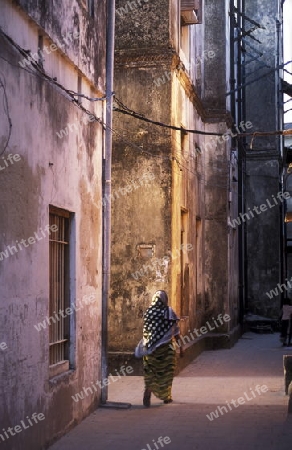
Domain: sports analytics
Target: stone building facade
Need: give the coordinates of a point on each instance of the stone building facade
(50, 216)
(174, 190)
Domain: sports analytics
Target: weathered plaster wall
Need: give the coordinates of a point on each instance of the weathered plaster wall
(141, 175)
(79, 36)
(263, 258)
(142, 215)
(215, 74)
(156, 82)
(65, 172)
(220, 276)
(263, 234)
(220, 242)
(260, 100)
(189, 174)
(142, 25)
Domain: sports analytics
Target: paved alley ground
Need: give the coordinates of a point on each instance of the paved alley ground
(255, 420)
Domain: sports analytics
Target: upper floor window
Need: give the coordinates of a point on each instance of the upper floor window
(89, 6)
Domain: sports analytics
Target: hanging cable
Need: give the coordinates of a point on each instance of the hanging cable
(73, 96)
(40, 71)
(130, 112)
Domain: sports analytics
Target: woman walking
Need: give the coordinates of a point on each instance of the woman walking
(158, 348)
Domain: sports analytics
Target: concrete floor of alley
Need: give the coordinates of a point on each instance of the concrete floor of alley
(214, 379)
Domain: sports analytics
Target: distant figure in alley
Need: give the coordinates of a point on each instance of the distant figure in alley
(159, 356)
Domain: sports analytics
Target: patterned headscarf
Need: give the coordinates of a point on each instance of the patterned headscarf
(158, 319)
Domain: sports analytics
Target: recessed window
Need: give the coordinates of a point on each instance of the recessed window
(79, 88)
(41, 50)
(59, 300)
(89, 6)
(184, 260)
(184, 141)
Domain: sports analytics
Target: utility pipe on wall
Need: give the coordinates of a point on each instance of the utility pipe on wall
(107, 162)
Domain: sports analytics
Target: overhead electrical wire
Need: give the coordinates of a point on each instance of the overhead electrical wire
(38, 70)
(52, 80)
(123, 109)
(167, 158)
(130, 112)
(176, 152)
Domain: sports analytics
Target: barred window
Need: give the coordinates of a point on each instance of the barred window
(184, 261)
(59, 263)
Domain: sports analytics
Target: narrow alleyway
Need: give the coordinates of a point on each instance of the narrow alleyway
(214, 379)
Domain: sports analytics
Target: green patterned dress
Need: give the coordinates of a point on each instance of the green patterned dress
(159, 370)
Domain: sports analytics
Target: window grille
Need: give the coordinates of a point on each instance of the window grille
(59, 330)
